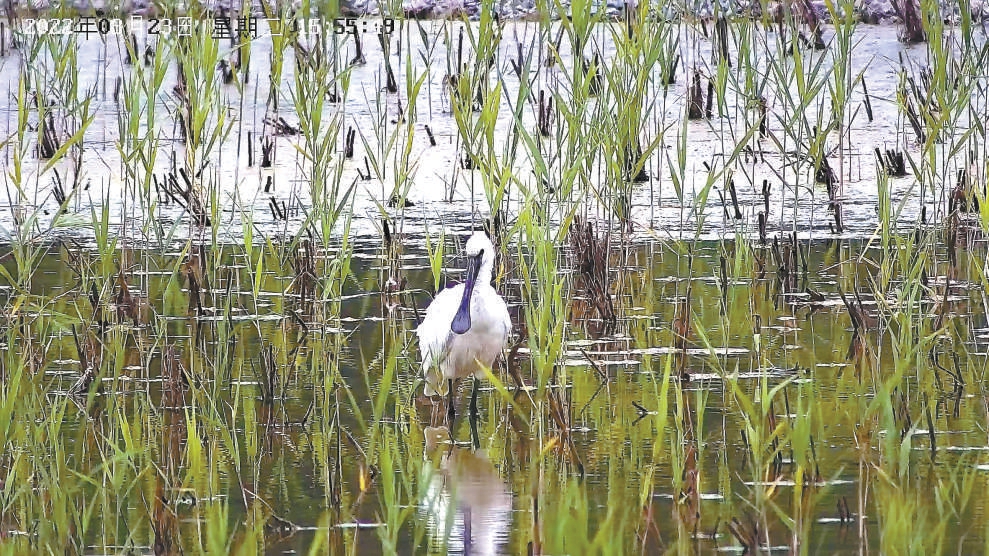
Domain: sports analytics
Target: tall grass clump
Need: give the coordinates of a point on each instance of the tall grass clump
(202, 122)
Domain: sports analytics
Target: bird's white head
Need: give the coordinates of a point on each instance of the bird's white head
(480, 265)
(480, 244)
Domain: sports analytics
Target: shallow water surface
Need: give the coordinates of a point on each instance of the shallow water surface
(210, 293)
(348, 452)
(687, 176)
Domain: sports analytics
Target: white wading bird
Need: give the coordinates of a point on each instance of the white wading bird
(466, 327)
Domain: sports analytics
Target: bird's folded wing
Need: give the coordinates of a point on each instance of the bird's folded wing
(434, 341)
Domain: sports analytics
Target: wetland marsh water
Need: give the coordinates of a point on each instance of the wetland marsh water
(675, 382)
(683, 195)
(517, 488)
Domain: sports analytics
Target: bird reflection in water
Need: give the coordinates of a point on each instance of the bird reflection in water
(467, 506)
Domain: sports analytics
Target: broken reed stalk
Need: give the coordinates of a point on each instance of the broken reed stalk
(545, 117)
(127, 305)
(670, 75)
(787, 257)
(266, 372)
(348, 146)
(195, 275)
(58, 191)
(174, 381)
(518, 63)
(695, 97)
(278, 210)
(906, 96)
(48, 142)
(723, 282)
(226, 72)
(90, 353)
(963, 197)
(721, 32)
(185, 194)
(280, 127)
(866, 100)
(763, 108)
(365, 173)
(267, 151)
(682, 330)
(630, 160)
(250, 149)
(892, 162)
(391, 85)
(460, 52)
(766, 190)
(589, 256)
(734, 199)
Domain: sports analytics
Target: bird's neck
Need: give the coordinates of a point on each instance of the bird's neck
(484, 274)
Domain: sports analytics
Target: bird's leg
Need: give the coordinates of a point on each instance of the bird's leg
(473, 400)
(450, 410)
(474, 437)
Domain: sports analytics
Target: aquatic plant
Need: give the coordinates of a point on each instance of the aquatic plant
(744, 255)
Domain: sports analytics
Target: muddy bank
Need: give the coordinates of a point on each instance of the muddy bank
(868, 11)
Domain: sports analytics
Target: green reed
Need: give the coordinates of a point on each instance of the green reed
(330, 197)
(119, 468)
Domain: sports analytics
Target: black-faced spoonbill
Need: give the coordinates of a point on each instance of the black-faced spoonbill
(466, 327)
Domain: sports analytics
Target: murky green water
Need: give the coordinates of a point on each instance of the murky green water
(184, 371)
(350, 455)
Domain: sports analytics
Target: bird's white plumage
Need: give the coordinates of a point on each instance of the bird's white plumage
(447, 355)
